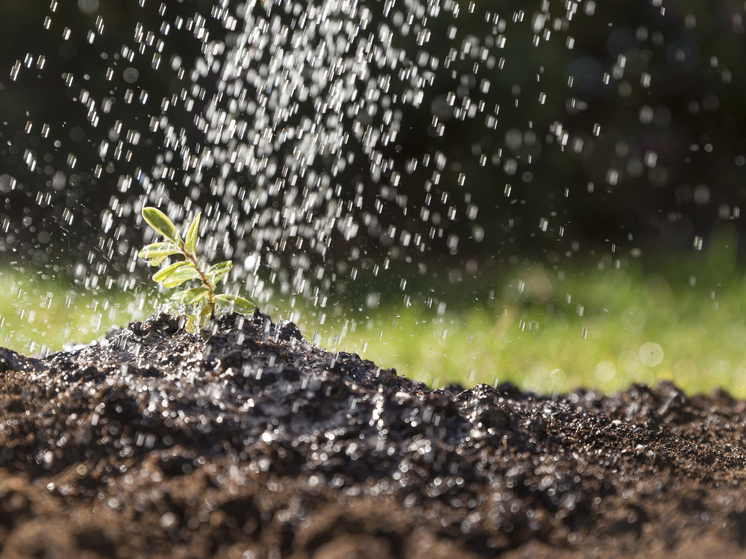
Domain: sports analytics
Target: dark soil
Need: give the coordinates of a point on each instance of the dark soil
(252, 443)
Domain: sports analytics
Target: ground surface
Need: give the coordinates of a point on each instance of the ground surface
(253, 443)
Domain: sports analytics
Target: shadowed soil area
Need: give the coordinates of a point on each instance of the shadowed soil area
(249, 442)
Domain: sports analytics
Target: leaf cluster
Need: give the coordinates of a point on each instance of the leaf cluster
(201, 300)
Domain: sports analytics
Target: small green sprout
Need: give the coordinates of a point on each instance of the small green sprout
(202, 299)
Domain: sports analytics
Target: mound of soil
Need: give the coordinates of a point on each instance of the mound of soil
(250, 442)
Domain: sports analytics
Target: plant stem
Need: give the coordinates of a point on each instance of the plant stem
(203, 278)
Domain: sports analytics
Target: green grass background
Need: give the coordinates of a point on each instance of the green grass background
(546, 330)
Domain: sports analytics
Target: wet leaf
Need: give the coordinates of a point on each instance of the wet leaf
(191, 234)
(179, 295)
(240, 305)
(185, 273)
(205, 314)
(220, 267)
(157, 252)
(191, 296)
(169, 271)
(217, 271)
(160, 222)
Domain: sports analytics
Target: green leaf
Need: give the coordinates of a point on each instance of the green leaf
(217, 271)
(205, 314)
(157, 252)
(185, 273)
(179, 295)
(240, 305)
(220, 267)
(160, 222)
(157, 249)
(191, 234)
(191, 296)
(168, 271)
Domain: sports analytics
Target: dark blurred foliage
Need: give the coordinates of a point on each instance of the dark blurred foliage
(53, 212)
(620, 129)
(667, 164)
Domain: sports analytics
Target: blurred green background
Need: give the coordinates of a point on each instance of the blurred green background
(600, 327)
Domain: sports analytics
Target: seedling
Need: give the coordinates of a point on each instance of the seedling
(202, 300)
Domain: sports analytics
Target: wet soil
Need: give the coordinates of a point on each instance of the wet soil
(249, 442)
